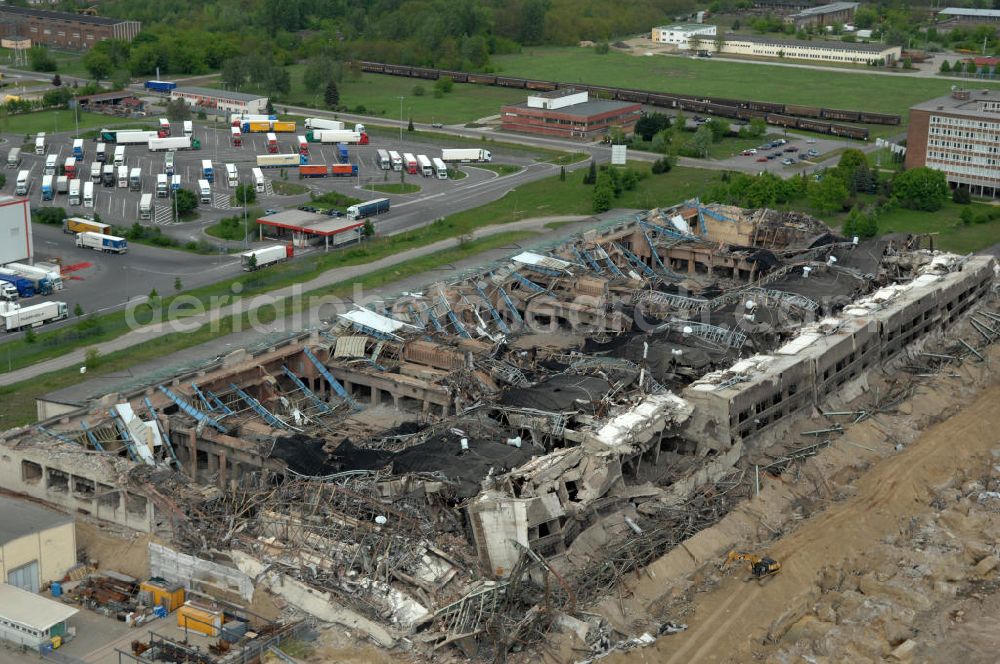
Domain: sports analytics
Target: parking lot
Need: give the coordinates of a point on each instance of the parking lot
(120, 205)
(102, 282)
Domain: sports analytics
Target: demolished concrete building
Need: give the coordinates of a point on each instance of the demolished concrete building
(540, 408)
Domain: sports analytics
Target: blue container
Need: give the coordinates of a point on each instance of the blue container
(56, 589)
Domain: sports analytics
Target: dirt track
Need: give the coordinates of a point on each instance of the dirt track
(732, 621)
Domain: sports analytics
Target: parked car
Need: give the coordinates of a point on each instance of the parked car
(791, 149)
(813, 153)
(747, 153)
(810, 141)
(762, 158)
(787, 162)
(780, 141)
(437, 125)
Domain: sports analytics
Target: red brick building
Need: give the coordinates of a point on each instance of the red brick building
(569, 114)
(959, 135)
(63, 29)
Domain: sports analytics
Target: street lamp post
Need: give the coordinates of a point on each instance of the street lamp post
(401, 98)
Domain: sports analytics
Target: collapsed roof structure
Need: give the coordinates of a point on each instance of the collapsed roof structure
(423, 468)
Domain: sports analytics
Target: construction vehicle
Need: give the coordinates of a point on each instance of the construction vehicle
(760, 567)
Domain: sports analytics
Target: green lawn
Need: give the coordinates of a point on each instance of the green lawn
(380, 95)
(951, 233)
(285, 188)
(871, 92)
(394, 188)
(67, 62)
(500, 169)
(56, 121)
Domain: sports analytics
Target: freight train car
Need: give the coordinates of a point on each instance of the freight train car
(510, 82)
(398, 70)
(850, 132)
(803, 111)
(372, 67)
(814, 125)
(782, 120)
(421, 72)
(666, 101)
(544, 86)
(635, 96)
(722, 110)
(766, 106)
(457, 76)
(879, 118)
(840, 114)
(483, 79)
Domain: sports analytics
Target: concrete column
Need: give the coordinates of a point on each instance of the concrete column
(375, 396)
(395, 401)
(192, 454)
(222, 470)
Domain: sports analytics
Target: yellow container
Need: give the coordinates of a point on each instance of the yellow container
(168, 595)
(283, 126)
(260, 126)
(200, 618)
(56, 642)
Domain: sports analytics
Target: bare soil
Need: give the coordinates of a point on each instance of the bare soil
(895, 555)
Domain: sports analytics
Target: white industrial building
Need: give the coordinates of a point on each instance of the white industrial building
(16, 243)
(30, 620)
(797, 49)
(220, 101)
(681, 34)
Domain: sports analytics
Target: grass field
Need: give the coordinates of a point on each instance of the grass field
(394, 188)
(725, 78)
(950, 233)
(380, 96)
(500, 169)
(56, 121)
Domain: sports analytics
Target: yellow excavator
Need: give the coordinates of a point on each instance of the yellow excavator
(760, 566)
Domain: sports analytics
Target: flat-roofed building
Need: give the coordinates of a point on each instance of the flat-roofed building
(798, 49)
(221, 101)
(831, 14)
(682, 35)
(63, 29)
(37, 544)
(960, 135)
(29, 620)
(968, 15)
(569, 113)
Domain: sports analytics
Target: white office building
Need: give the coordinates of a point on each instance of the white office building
(681, 34)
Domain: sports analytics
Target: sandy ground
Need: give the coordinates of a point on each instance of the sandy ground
(897, 550)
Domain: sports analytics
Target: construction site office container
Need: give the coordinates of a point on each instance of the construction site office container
(163, 593)
(200, 618)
